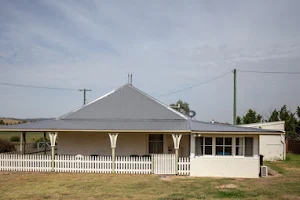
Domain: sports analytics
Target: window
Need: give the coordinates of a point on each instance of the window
(207, 145)
(156, 143)
(239, 146)
(203, 146)
(248, 146)
(223, 146)
(199, 146)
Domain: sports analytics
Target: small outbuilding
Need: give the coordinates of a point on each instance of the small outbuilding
(272, 147)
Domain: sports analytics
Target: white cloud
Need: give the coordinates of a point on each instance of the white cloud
(166, 45)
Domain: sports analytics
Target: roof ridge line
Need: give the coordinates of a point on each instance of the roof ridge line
(159, 102)
(95, 100)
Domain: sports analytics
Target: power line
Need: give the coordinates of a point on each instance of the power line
(38, 87)
(196, 85)
(270, 72)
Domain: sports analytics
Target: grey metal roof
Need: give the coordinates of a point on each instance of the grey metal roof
(76, 124)
(127, 102)
(198, 126)
(127, 109)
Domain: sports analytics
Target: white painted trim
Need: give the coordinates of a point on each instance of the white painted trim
(113, 139)
(176, 140)
(262, 123)
(226, 156)
(52, 137)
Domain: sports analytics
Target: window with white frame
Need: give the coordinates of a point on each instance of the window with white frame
(239, 146)
(203, 146)
(223, 146)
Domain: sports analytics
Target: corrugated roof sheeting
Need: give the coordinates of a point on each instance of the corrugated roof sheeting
(125, 103)
(103, 125)
(215, 127)
(123, 124)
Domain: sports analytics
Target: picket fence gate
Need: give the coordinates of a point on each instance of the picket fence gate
(164, 163)
(157, 164)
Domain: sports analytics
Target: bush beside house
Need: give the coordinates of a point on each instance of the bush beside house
(6, 146)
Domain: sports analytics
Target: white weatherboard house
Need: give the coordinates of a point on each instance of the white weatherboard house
(127, 122)
(272, 147)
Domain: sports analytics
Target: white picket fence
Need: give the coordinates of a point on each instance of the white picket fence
(184, 166)
(16, 162)
(133, 165)
(161, 164)
(83, 164)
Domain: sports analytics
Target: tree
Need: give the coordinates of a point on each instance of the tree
(298, 112)
(252, 117)
(2, 122)
(239, 120)
(274, 116)
(292, 125)
(292, 120)
(184, 107)
(284, 113)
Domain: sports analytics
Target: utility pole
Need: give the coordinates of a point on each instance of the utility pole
(84, 94)
(234, 97)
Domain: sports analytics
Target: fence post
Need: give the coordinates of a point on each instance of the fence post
(152, 164)
(113, 159)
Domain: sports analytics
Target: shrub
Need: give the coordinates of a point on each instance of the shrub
(39, 140)
(15, 138)
(6, 146)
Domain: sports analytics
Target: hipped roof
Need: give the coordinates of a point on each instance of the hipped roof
(128, 109)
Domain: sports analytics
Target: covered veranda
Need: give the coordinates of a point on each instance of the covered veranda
(162, 147)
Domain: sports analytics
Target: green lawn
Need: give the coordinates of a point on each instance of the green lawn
(21, 185)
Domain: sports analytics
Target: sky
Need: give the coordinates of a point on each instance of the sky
(166, 45)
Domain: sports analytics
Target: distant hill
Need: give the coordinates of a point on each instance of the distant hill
(11, 121)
